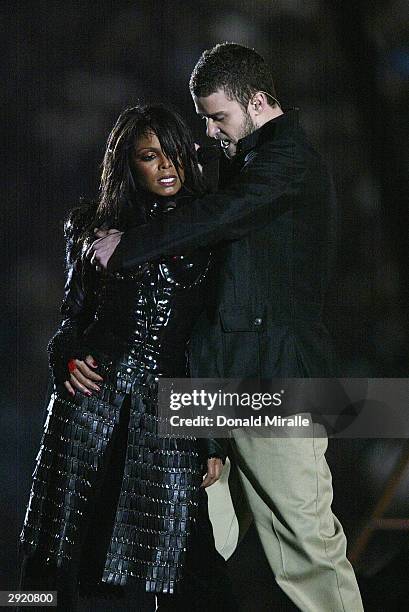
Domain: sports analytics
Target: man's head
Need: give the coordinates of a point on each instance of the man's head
(233, 89)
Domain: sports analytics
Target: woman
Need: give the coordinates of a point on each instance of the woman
(111, 500)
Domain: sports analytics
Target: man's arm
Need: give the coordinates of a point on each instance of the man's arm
(264, 189)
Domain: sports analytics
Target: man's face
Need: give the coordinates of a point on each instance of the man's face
(226, 120)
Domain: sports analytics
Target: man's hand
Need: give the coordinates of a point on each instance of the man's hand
(101, 250)
(83, 378)
(214, 470)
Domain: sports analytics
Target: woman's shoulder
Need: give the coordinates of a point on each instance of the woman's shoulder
(76, 224)
(79, 218)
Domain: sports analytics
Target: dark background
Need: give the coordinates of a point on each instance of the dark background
(68, 70)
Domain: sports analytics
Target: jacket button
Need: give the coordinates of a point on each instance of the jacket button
(258, 321)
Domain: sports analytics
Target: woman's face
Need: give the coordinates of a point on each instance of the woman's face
(154, 171)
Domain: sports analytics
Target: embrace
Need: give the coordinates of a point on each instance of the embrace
(209, 263)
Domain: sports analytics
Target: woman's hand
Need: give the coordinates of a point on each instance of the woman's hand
(214, 470)
(82, 377)
(102, 249)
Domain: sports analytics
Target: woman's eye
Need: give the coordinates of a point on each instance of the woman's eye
(148, 157)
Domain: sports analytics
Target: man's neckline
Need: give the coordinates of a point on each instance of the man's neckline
(268, 130)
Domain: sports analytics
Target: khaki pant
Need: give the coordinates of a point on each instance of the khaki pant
(284, 484)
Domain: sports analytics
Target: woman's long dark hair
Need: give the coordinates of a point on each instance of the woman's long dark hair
(121, 200)
(119, 188)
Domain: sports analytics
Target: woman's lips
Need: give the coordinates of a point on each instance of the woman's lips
(168, 181)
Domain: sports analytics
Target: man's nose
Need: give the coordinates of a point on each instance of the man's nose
(211, 129)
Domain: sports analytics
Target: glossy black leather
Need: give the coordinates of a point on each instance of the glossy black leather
(136, 324)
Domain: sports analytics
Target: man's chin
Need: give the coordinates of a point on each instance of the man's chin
(229, 150)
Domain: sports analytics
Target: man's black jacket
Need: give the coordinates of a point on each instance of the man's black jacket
(274, 227)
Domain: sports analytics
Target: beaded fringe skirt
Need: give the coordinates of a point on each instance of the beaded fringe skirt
(158, 500)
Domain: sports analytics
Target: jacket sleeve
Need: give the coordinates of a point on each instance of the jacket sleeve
(266, 187)
(77, 311)
(215, 447)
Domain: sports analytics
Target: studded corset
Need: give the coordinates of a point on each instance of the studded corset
(144, 317)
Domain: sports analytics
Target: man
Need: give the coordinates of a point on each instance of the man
(272, 221)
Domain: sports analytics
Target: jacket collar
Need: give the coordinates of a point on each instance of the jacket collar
(269, 131)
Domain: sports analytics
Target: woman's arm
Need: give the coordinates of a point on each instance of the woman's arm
(69, 357)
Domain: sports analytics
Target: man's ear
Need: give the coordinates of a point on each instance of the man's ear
(258, 102)
(256, 106)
